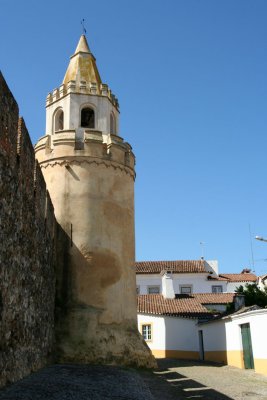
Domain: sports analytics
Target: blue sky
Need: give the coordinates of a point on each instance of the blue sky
(192, 85)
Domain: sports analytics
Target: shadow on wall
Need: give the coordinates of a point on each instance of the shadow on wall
(168, 385)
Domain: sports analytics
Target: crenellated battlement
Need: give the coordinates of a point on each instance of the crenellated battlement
(82, 87)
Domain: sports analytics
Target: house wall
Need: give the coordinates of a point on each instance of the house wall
(232, 286)
(144, 281)
(223, 342)
(172, 337)
(199, 282)
(214, 341)
(261, 283)
(212, 265)
(217, 307)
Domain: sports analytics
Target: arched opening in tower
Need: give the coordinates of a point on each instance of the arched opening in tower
(87, 118)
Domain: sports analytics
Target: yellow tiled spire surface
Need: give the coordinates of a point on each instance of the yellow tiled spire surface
(82, 66)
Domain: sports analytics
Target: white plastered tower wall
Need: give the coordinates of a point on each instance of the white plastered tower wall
(72, 102)
(89, 172)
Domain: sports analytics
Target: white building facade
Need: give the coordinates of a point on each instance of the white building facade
(170, 336)
(189, 276)
(238, 340)
(168, 322)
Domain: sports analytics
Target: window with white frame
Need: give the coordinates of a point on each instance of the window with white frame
(147, 331)
(186, 289)
(217, 288)
(153, 289)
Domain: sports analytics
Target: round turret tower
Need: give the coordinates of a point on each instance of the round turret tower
(89, 172)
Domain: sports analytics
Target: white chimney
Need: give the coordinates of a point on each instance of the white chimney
(167, 286)
(211, 266)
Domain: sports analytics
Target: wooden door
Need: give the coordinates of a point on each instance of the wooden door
(247, 346)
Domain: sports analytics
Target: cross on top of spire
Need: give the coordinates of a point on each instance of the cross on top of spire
(83, 27)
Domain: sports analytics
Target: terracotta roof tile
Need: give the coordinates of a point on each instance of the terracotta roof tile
(190, 306)
(217, 278)
(214, 298)
(246, 277)
(179, 266)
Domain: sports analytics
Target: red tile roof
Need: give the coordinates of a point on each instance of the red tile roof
(189, 306)
(179, 266)
(216, 278)
(245, 277)
(214, 298)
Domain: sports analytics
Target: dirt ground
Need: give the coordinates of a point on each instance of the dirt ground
(180, 379)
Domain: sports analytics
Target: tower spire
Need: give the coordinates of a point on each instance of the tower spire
(82, 66)
(82, 45)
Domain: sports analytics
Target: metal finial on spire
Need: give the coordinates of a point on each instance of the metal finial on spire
(83, 27)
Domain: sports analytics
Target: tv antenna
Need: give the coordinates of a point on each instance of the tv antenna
(202, 250)
(251, 249)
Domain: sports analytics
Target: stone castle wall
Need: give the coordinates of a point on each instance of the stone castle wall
(28, 232)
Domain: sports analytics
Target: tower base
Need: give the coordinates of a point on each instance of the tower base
(80, 339)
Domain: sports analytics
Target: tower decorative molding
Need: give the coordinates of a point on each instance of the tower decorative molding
(96, 162)
(89, 172)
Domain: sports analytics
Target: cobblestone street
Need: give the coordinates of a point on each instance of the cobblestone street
(174, 380)
(181, 379)
(79, 382)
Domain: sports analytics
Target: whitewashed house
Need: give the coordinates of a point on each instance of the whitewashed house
(181, 308)
(262, 282)
(189, 276)
(238, 339)
(168, 322)
(236, 280)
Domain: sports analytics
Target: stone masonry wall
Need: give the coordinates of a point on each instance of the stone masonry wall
(28, 232)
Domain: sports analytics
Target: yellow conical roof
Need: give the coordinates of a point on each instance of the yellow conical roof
(82, 66)
(82, 45)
